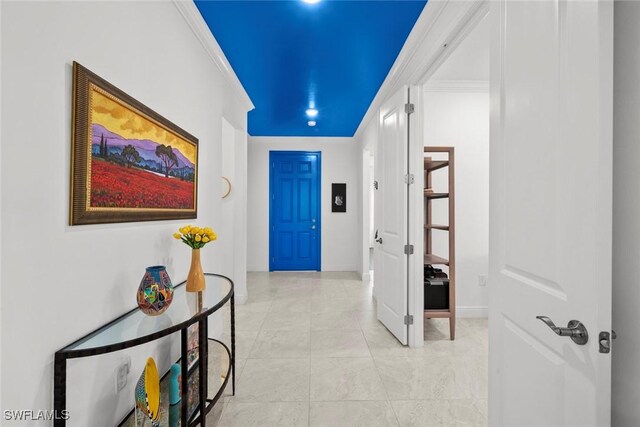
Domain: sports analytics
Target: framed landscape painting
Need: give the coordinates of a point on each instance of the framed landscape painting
(128, 162)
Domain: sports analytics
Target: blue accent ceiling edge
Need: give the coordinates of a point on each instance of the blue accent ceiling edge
(291, 55)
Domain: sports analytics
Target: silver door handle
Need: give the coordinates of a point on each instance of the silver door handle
(379, 240)
(574, 330)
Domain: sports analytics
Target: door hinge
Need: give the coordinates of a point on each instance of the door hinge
(409, 108)
(408, 249)
(604, 341)
(375, 185)
(409, 179)
(408, 319)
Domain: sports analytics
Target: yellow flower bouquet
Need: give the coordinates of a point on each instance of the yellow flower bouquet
(195, 237)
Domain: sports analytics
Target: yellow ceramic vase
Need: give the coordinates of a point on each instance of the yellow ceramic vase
(195, 278)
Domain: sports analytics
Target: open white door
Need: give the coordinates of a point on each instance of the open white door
(391, 215)
(550, 211)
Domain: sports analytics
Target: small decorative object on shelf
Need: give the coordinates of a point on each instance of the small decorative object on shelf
(174, 416)
(192, 345)
(174, 384)
(148, 393)
(155, 292)
(195, 238)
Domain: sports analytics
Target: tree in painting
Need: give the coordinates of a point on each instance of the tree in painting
(168, 157)
(131, 155)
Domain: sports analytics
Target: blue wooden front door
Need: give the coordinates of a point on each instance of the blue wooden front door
(294, 210)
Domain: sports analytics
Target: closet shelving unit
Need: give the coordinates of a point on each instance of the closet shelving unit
(431, 165)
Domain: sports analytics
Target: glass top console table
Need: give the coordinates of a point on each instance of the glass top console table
(135, 328)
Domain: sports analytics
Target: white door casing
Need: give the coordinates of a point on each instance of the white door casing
(391, 214)
(550, 211)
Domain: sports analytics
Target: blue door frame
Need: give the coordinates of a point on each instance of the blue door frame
(295, 231)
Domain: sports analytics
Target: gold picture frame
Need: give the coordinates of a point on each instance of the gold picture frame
(128, 163)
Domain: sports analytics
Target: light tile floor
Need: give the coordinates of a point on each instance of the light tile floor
(310, 352)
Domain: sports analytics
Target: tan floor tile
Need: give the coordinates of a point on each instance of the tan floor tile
(338, 343)
(274, 380)
(351, 414)
(426, 413)
(345, 379)
(272, 414)
(281, 344)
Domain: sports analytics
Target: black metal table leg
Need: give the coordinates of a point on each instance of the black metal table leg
(233, 343)
(203, 362)
(59, 390)
(184, 369)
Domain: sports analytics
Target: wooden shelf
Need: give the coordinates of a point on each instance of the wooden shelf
(435, 260)
(432, 165)
(430, 195)
(436, 227)
(445, 159)
(437, 314)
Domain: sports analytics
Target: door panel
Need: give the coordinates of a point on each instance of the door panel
(391, 215)
(550, 211)
(294, 211)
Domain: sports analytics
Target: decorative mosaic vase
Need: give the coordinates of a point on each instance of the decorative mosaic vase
(147, 393)
(155, 292)
(195, 278)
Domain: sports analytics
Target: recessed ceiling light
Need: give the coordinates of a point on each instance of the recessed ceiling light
(312, 112)
(311, 123)
(311, 1)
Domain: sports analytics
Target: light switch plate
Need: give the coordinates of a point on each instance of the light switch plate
(122, 373)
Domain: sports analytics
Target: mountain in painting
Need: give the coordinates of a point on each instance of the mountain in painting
(146, 148)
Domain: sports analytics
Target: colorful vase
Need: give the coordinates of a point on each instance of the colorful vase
(195, 278)
(147, 393)
(155, 292)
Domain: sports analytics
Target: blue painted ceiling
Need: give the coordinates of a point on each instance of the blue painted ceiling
(291, 56)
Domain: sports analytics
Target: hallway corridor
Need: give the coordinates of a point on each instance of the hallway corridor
(310, 352)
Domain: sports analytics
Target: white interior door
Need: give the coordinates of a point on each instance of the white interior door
(550, 211)
(391, 215)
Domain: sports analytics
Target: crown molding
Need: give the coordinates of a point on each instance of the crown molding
(200, 29)
(440, 28)
(467, 86)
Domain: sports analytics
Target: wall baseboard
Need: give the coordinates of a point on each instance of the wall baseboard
(481, 312)
(350, 268)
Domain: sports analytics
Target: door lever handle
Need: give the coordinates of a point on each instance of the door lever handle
(574, 330)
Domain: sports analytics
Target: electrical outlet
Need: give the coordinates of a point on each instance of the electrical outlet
(482, 280)
(122, 373)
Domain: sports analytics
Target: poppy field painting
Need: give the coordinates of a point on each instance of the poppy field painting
(129, 163)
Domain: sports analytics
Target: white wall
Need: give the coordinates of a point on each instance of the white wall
(626, 216)
(340, 231)
(457, 114)
(60, 282)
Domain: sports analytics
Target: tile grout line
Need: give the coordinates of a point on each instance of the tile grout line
(384, 387)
